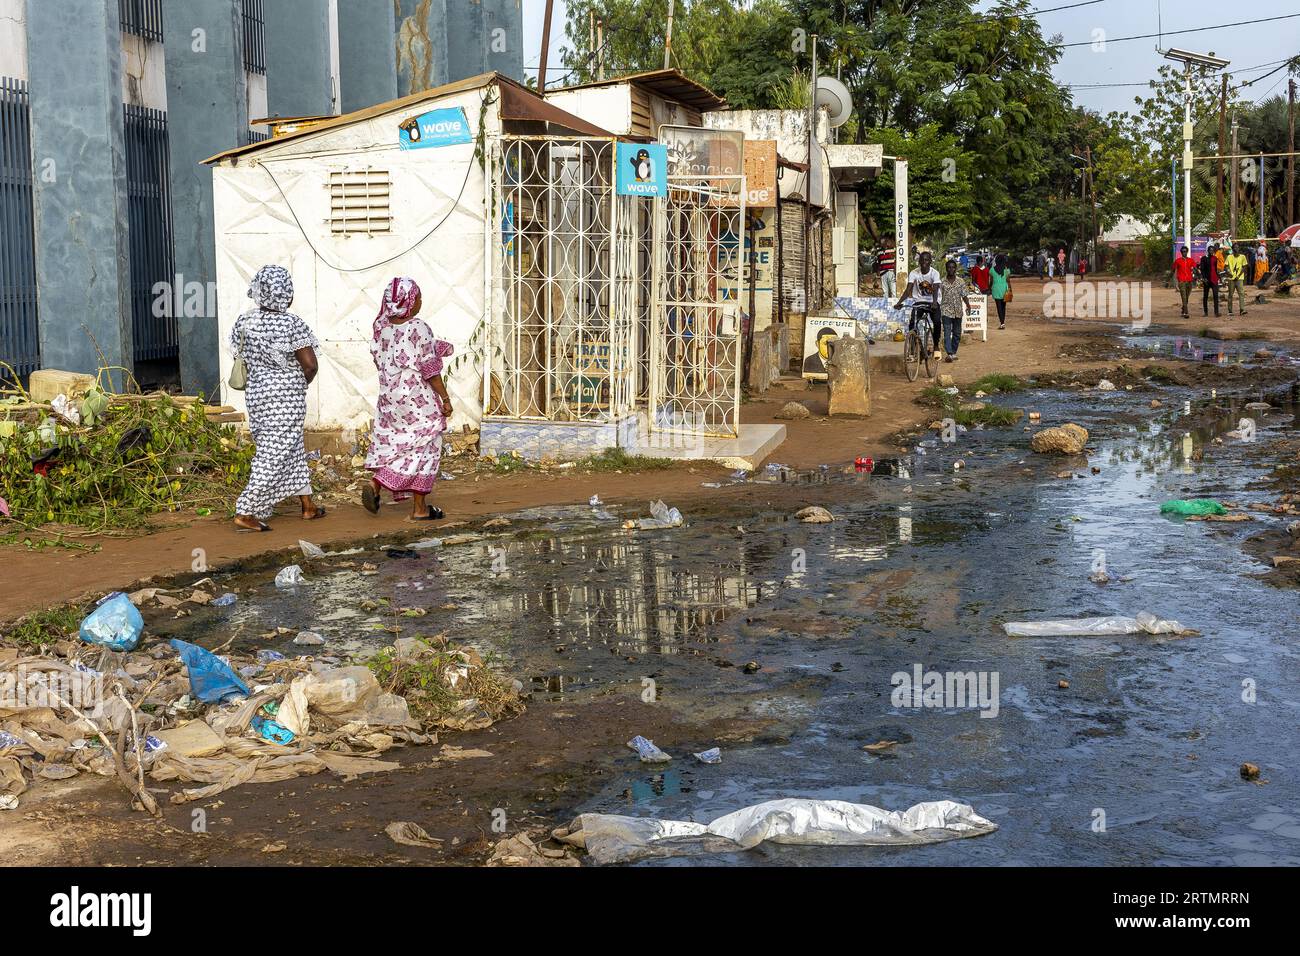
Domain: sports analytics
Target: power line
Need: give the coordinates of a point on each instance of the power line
(1068, 6)
(1216, 26)
(1244, 69)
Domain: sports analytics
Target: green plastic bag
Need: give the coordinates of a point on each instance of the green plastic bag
(1192, 506)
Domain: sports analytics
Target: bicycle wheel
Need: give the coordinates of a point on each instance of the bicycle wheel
(924, 335)
(911, 355)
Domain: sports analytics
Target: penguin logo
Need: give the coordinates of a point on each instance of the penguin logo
(644, 168)
(412, 129)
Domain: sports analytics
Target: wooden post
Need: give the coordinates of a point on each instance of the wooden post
(1290, 145)
(1232, 181)
(546, 46)
(600, 48)
(668, 37)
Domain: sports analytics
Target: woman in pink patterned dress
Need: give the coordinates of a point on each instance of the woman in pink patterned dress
(413, 407)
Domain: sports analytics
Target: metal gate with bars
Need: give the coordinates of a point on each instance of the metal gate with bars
(150, 227)
(572, 275)
(19, 332)
(696, 340)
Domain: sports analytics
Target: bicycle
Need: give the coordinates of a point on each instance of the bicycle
(917, 342)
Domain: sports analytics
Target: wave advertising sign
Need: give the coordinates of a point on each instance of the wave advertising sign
(642, 169)
(445, 127)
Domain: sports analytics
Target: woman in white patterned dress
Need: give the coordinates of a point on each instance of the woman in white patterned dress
(280, 352)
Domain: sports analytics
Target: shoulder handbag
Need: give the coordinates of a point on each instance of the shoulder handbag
(239, 370)
(1008, 296)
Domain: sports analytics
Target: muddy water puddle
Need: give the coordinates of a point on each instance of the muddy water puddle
(1135, 761)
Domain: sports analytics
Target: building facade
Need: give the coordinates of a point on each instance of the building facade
(109, 107)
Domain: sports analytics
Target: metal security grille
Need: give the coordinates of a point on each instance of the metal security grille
(571, 276)
(360, 202)
(150, 226)
(19, 335)
(254, 18)
(144, 18)
(696, 342)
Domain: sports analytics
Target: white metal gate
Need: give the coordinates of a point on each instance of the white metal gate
(569, 278)
(696, 336)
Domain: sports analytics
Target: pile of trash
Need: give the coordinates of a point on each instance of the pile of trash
(110, 704)
(105, 461)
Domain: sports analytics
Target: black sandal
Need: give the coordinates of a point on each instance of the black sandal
(261, 526)
(370, 499)
(320, 513)
(432, 514)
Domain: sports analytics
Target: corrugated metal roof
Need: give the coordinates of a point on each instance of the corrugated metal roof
(518, 102)
(670, 84)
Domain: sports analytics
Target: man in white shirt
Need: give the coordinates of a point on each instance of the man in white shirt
(923, 289)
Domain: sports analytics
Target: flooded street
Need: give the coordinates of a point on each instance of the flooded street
(1134, 762)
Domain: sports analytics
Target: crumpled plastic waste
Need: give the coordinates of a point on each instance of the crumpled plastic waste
(661, 516)
(211, 678)
(647, 751)
(310, 550)
(63, 407)
(115, 623)
(268, 729)
(1144, 622)
(226, 600)
(289, 577)
(712, 755)
(609, 838)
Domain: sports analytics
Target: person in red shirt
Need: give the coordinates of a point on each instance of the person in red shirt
(980, 275)
(1185, 277)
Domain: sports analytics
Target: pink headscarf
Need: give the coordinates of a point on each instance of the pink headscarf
(399, 301)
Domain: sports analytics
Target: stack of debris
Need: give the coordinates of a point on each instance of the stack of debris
(179, 712)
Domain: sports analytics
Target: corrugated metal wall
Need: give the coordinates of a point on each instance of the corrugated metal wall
(19, 335)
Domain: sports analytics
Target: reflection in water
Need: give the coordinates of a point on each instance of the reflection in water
(915, 570)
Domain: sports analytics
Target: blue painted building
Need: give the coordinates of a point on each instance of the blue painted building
(107, 109)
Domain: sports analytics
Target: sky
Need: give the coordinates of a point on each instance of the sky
(1121, 61)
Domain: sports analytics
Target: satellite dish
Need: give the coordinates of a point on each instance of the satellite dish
(834, 96)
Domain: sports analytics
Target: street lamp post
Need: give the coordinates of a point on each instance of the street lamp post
(1187, 58)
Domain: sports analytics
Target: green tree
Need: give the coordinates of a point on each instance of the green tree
(941, 199)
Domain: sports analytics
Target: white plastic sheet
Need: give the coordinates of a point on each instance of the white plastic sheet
(609, 838)
(1144, 622)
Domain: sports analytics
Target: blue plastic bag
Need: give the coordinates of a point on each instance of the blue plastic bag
(115, 624)
(211, 679)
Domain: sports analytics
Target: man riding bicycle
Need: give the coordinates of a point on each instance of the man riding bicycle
(923, 289)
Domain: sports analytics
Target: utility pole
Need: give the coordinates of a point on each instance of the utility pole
(600, 47)
(807, 185)
(1187, 58)
(1092, 197)
(546, 46)
(1223, 130)
(1290, 145)
(1232, 181)
(668, 37)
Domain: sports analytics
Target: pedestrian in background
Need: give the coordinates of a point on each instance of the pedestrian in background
(1000, 287)
(1209, 280)
(1235, 265)
(1185, 277)
(1261, 262)
(885, 268)
(953, 302)
(279, 354)
(980, 275)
